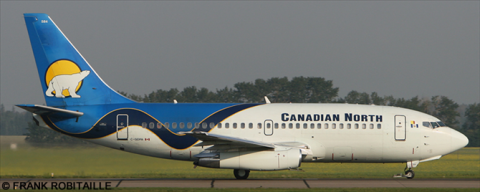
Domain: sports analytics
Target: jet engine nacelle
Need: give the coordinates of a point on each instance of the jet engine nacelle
(254, 160)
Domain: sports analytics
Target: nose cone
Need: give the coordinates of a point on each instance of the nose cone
(458, 140)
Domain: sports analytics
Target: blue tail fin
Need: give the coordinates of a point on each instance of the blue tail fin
(66, 77)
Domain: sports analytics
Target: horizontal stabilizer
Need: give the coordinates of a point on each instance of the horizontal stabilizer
(46, 110)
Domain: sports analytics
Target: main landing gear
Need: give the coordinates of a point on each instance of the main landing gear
(241, 173)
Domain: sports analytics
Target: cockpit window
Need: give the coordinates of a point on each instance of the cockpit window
(426, 124)
(441, 124)
(433, 124)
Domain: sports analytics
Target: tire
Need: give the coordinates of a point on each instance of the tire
(409, 174)
(241, 173)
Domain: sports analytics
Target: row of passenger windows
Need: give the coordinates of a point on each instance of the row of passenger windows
(181, 125)
(204, 125)
(303, 125)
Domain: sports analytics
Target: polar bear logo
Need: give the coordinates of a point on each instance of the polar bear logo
(68, 82)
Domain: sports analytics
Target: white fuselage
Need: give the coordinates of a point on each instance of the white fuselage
(343, 138)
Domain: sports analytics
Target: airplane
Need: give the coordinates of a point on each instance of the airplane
(239, 136)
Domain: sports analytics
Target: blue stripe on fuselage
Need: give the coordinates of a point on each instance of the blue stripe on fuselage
(100, 121)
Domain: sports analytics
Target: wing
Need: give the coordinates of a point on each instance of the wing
(222, 142)
(215, 139)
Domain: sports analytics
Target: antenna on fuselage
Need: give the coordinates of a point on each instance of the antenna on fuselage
(266, 99)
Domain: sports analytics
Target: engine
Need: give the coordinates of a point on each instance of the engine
(252, 160)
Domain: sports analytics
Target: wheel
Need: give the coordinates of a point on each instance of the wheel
(241, 173)
(409, 174)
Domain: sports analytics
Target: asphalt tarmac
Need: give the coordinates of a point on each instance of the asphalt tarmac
(99, 184)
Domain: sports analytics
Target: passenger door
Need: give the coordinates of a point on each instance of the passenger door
(400, 128)
(122, 127)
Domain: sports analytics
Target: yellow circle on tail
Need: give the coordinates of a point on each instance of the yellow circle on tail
(62, 67)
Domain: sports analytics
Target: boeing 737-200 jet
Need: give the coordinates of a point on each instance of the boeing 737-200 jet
(239, 136)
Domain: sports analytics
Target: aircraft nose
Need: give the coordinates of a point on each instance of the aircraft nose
(458, 140)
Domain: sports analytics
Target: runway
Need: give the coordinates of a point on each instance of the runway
(233, 183)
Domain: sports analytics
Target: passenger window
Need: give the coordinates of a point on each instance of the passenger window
(212, 125)
(371, 125)
(268, 125)
(305, 125)
(259, 125)
(319, 125)
(364, 126)
(326, 126)
(284, 126)
(297, 125)
(219, 125)
(151, 125)
(174, 125)
(334, 126)
(349, 126)
(290, 125)
(189, 125)
(197, 125)
(166, 125)
(182, 125)
(159, 125)
(356, 125)
(341, 126)
(242, 125)
(379, 126)
(276, 125)
(234, 125)
(312, 125)
(204, 125)
(227, 125)
(144, 125)
(250, 125)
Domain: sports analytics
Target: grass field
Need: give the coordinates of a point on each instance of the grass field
(102, 162)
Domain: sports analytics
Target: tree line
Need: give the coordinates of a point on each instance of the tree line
(13, 122)
(278, 90)
(283, 90)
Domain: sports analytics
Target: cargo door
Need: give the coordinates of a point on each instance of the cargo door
(342, 154)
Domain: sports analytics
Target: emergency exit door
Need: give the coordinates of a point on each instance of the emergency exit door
(400, 128)
(122, 127)
(268, 127)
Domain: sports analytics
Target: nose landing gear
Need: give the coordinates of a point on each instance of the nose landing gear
(409, 174)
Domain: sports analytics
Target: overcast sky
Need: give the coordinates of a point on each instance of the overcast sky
(395, 48)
